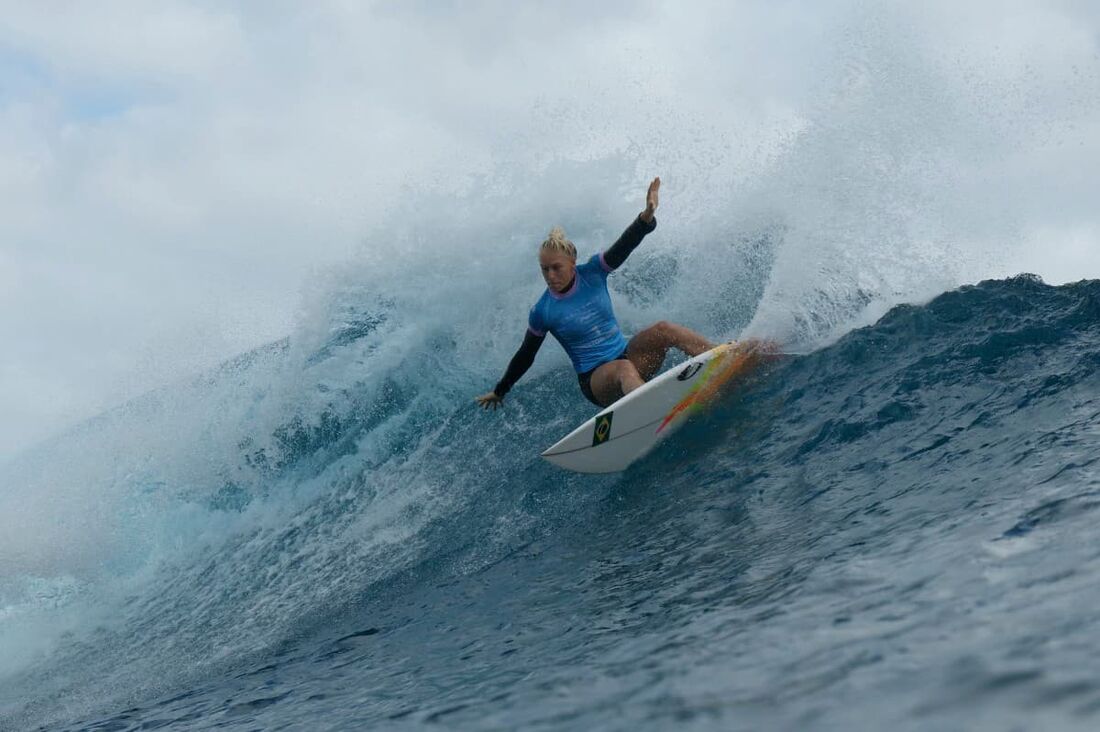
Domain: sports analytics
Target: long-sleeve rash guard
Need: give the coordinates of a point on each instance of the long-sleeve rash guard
(581, 318)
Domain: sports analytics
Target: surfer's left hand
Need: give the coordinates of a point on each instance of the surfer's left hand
(651, 200)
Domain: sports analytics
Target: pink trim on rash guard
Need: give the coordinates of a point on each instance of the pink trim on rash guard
(606, 267)
(534, 332)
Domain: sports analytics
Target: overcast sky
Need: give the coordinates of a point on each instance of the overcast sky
(172, 174)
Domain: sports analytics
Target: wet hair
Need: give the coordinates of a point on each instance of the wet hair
(556, 242)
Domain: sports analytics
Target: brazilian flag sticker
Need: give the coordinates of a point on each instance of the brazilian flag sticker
(603, 429)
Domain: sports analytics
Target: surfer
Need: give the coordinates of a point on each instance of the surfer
(576, 309)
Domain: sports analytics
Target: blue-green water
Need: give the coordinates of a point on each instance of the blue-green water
(893, 530)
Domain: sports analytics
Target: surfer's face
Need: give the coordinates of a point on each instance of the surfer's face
(557, 269)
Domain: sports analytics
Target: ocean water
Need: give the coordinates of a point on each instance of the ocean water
(894, 530)
(891, 527)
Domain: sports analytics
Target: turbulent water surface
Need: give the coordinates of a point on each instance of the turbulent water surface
(897, 529)
(893, 527)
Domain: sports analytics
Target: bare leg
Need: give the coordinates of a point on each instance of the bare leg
(614, 379)
(647, 350)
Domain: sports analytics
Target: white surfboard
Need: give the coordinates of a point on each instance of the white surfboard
(631, 427)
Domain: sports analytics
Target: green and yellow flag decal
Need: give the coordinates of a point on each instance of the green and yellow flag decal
(602, 432)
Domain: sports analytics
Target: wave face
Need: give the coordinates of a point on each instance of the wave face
(897, 526)
(894, 525)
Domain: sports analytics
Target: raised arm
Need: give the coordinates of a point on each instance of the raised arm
(517, 367)
(632, 237)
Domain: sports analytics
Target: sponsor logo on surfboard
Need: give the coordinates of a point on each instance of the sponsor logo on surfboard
(602, 432)
(690, 371)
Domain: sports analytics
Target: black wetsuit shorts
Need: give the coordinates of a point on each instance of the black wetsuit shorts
(585, 380)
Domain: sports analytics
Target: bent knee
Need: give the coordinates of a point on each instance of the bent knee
(662, 332)
(661, 327)
(624, 368)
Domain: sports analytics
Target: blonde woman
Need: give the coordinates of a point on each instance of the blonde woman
(576, 310)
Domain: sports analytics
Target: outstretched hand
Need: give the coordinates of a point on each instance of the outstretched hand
(489, 401)
(651, 200)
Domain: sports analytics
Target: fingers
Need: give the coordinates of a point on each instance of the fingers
(488, 402)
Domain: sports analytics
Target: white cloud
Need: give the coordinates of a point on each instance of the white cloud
(124, 41)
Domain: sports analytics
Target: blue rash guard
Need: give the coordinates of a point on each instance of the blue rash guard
(580, 318)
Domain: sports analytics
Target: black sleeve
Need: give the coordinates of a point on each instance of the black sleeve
(630, 239)
(519, 364)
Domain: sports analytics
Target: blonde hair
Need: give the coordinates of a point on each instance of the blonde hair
(556, 242)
